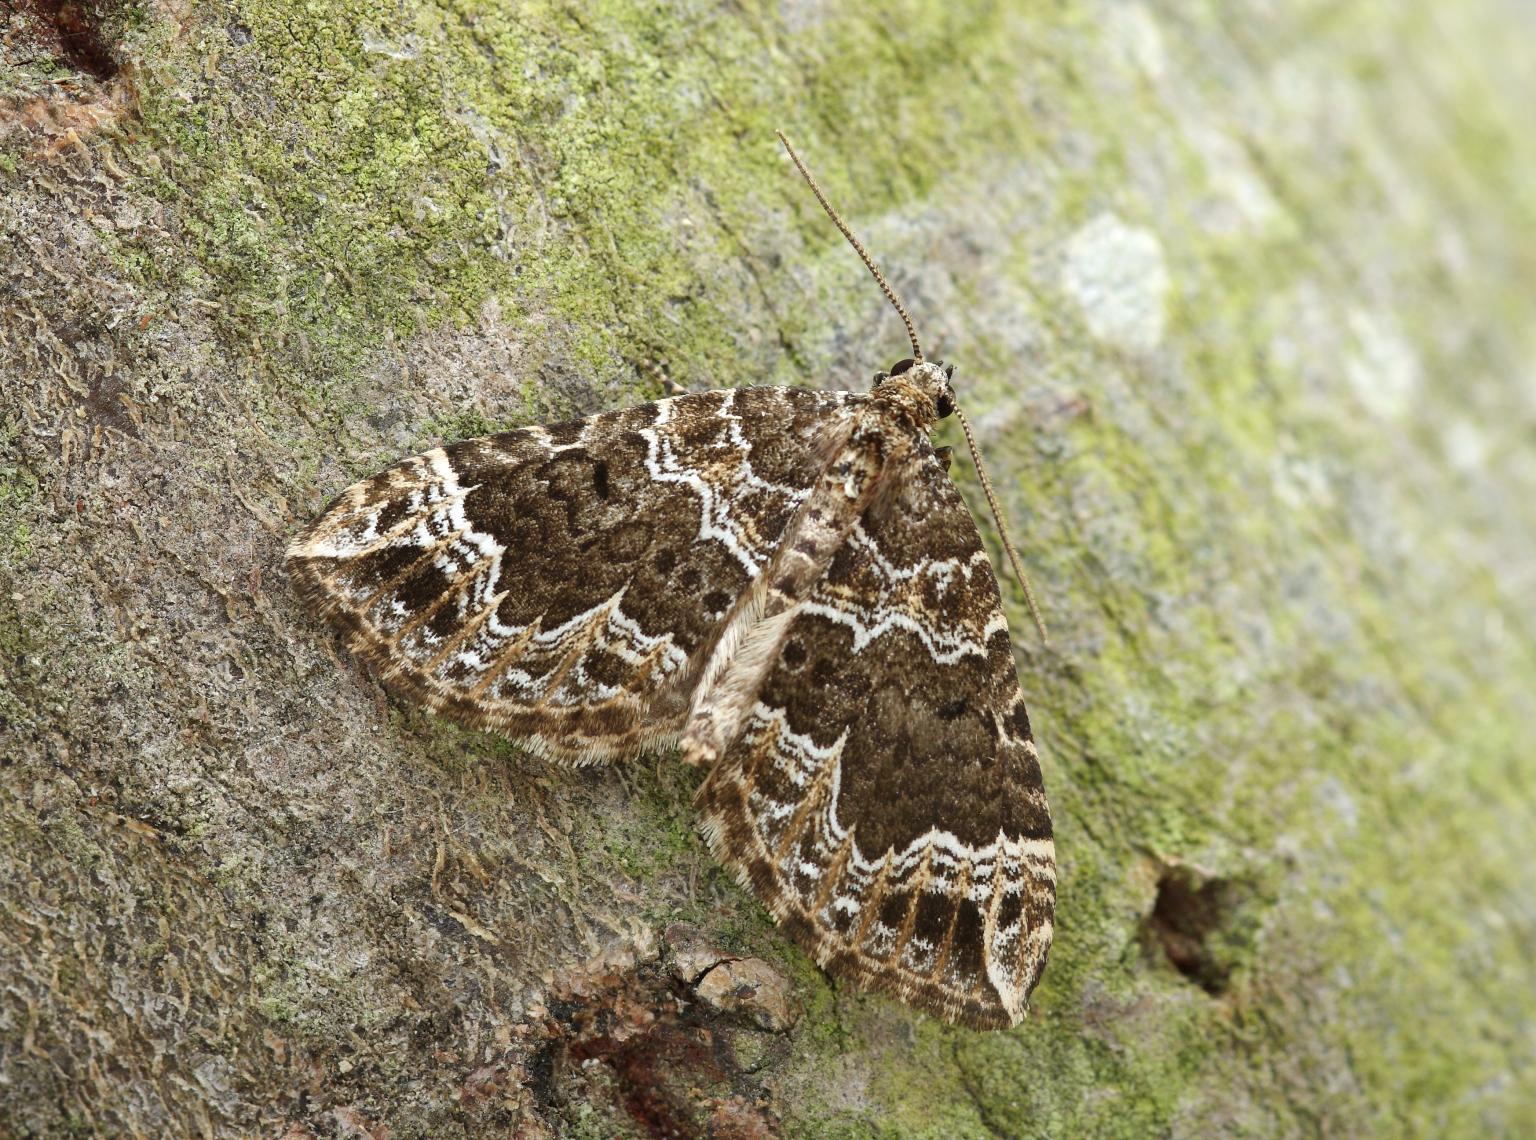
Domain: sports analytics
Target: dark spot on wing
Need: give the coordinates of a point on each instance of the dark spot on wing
(1018, 720)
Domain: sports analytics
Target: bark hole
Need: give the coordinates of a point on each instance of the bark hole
(71, 33)
(1190, 919)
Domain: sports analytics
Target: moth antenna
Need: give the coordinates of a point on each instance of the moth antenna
(869, 262)
(997, 515)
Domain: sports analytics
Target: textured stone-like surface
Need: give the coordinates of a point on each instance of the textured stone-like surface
(1285, 550)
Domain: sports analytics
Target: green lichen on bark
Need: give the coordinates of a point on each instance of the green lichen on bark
(1242, 304)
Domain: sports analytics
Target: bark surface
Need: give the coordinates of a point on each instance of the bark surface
(1241, 297)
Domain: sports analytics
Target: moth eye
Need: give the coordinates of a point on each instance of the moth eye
(881, 377)
(901, 366)
(944, 405)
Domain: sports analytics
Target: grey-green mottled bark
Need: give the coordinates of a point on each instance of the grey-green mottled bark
(1242, 299)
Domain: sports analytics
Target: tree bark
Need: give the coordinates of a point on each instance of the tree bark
(1241, 301)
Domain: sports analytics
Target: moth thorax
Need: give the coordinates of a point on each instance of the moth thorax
(921, 389)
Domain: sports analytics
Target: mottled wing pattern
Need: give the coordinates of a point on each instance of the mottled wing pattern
(560, 584)
(885, 798)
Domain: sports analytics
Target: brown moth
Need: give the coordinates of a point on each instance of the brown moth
(785, 585)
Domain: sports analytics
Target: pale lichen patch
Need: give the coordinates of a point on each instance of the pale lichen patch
(1118, 276)
(1243, 199)
(1382, 366)
(1135, 39)
(1466, 445)
(1301, 482)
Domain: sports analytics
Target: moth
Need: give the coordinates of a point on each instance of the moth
(782, 583)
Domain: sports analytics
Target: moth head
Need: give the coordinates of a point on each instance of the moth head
(930, 377)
